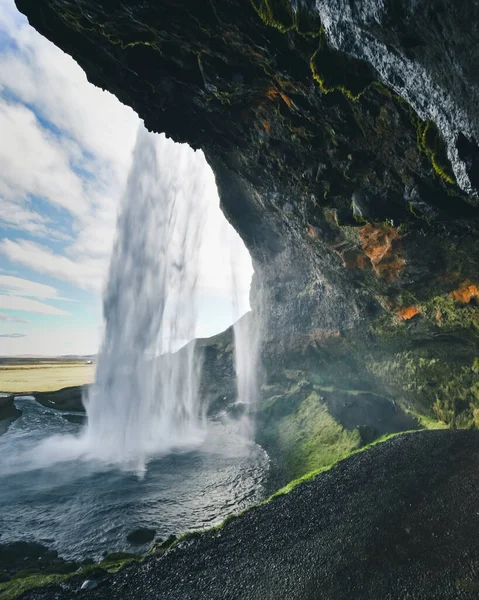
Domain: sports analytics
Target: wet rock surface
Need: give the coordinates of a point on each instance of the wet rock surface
(20, 557)
(142, 535)
(8, 412)
(68, 399)
(397, 521)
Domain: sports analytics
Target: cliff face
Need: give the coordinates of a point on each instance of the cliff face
(344, 143)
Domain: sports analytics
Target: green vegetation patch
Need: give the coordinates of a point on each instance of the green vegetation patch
(281, 15)
(29, 579)
(451, 315)
(432, 144)
(443, 393)
(16, 586)
(310, 438)
(335, 71)
(312, 474)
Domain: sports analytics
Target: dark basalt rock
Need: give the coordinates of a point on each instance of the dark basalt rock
(67, 399)
(19, 556)
(8, 412)
(142, 535)
(352, 183)
(7, 407)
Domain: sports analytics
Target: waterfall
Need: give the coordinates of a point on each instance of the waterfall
(247, 357)
(145, 397)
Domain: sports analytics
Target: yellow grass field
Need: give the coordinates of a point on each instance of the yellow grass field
(44, 376)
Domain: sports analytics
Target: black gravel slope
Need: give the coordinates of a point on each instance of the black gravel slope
(400, 521)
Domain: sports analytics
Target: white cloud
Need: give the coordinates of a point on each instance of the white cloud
(45, 77)
(15, 216)
(33, 162)
(10, 319)
(29, 305)
(88, 274)
(79, 165)
(65, 152)
(13, 335)
(16, 286)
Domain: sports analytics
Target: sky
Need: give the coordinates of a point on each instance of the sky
(65, 153)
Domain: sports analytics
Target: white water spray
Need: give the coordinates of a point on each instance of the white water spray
(248, 331)
(247, 336)
(145, 399)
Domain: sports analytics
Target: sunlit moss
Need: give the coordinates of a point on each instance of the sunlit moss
(431, 143)
(311, 438)
(313, 474)
(281, 15)
(334, 71)
(27, 580)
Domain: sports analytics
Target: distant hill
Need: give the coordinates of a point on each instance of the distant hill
(30, 358)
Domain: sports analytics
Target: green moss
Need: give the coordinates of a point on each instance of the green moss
(467, 586)
(451, 315)
(431, 143)
(281, 15)
(13, 588)
(275, 13)
(383, 89)
(428, 422)
(312, 474)
(310, 438)
(87, 24)
(28, 579)
(440, 391)
(335, 71)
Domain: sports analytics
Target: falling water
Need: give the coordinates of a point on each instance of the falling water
(247, 338)
(145, 401)
(248, 330)
(145, 398)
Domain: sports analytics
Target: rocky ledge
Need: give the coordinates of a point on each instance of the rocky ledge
(8, 412)
(67, 399)
(360, 530)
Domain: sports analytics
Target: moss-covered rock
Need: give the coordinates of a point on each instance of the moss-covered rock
(29, 565)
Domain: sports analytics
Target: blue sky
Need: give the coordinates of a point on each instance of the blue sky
(65, 152)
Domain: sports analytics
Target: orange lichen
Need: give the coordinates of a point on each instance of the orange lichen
(286, 99)
(465, 293)
(266, 125)
(271, 93)
(381, 244)
(355, 259)
(407, 312)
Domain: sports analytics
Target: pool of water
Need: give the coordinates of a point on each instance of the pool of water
(83, 508)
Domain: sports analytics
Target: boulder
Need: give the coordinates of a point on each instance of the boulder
(142, 535)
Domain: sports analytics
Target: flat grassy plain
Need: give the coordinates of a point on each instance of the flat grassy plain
(44, 376)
